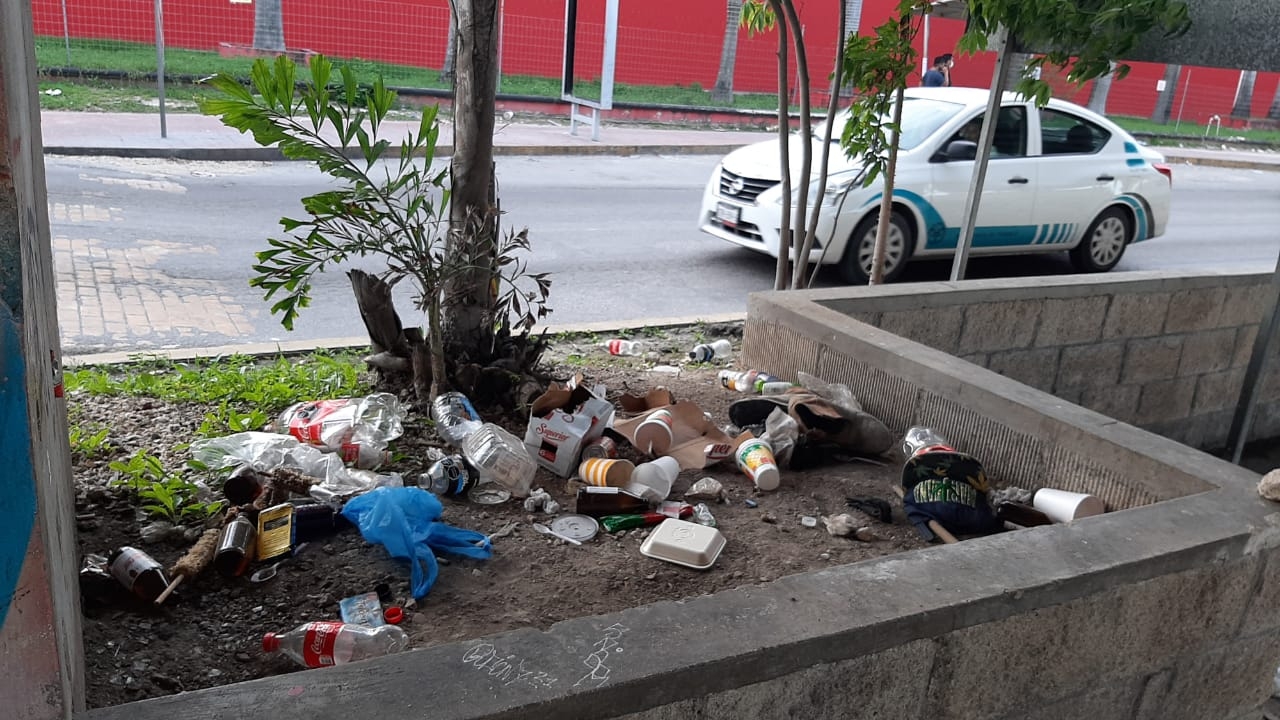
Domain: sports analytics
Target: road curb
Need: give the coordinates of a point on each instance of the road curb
(271, 154)
(1226, 163)
(297, 347)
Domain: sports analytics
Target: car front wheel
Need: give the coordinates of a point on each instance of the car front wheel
(855, 266)
(1104, 242)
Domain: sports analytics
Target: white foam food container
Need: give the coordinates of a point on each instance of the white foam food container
(684, 543)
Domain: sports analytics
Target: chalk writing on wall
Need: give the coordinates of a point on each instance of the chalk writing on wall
(506, 668)
(597, 668)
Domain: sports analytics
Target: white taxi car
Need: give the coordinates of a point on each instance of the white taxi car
(1060, 178)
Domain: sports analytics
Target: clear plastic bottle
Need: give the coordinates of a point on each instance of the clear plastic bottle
(455, 417)
(501, 458)
(321, 644)
(625, 347)
(706, 352)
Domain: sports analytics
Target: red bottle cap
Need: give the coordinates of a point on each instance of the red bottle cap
(270, 643)
(393, 615)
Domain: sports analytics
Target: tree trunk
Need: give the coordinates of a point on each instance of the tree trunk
(467, 307)
(1243, 106)
(268, 26)
(833, 105)
(1164, 101)
(782, 274)
(886, 197)
(806, 145)
(1099, 93)
(1274, 113)
(851, 20)
(1016, 68)
(450, 53)
(723, 90)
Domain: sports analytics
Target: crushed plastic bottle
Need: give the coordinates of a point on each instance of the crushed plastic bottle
(359, 429)
(321, 644)
(706, 352)
(501, 459)
(625, 347)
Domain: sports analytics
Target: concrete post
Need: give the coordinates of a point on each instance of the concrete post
(41, 654)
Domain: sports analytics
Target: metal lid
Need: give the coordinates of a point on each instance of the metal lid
(578, 527)
(488, 495)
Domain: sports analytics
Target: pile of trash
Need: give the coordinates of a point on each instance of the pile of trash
(318, 470)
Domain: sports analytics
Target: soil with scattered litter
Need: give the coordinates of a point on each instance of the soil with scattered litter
(209, 633)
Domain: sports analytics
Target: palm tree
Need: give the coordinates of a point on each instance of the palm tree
(1099, 93)
(268, 26)
(723, 90)
(1243, 106)
(1164, 101)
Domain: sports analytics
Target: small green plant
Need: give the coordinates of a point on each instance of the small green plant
(265, 386)
(176, 500)
(139, 470)
(653, 331)
(89, 442)
(227, 419)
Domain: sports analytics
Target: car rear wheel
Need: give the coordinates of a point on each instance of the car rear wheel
(1104, 242)
(855, 266)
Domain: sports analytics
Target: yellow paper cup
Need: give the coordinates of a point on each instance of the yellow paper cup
(653, 436)
(604, 472)
(755, 459)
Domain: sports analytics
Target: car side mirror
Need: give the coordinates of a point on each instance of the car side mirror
(961, 150)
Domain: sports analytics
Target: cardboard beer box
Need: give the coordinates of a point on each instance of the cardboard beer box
(564, 419)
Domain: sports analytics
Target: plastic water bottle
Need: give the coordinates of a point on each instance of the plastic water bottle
(455, 417)
(320, 644)
(750, 381)
(624, 347)
(706, 352)
(501, 459)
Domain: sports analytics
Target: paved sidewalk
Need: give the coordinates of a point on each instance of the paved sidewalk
(200, 137)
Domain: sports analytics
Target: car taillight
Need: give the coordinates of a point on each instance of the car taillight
(1164, 170)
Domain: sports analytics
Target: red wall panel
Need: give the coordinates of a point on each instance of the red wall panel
(660, 42)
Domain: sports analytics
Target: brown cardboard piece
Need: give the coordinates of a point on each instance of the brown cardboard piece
(695, 441)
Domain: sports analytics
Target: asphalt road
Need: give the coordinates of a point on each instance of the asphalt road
(618, 235)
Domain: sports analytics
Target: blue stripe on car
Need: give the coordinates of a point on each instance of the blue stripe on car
(1143, 231)
(939, 236)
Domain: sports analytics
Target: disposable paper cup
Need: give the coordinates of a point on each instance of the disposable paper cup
(755, 458)
(1063, 506)
(602, 472)
(653, 436)
(656, 478)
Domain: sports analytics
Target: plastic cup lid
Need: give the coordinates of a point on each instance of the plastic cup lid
(578, 527)
(488, 495)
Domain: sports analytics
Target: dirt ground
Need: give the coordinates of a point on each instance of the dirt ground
(210, 632)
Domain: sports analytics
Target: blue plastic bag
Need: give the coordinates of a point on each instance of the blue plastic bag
(403, 520)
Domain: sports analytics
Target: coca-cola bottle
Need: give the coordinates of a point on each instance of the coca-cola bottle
(321, 644)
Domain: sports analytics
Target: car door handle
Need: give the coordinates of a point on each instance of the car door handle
(1018, 180)
(1104, 178)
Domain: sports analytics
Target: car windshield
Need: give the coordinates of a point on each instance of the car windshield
(921, 117)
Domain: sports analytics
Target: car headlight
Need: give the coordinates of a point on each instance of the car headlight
(835, 189)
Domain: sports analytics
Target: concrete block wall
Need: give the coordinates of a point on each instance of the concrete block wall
(1166, 353)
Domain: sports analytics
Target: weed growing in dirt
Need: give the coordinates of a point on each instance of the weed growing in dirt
(90, 441)
(141, 469)
(176, 500)
(264, 386)
(163, 495)
(227, 419)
